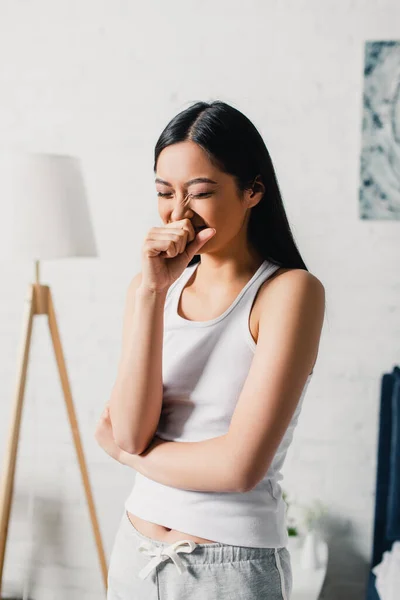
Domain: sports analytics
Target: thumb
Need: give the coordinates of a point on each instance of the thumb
(201, 238)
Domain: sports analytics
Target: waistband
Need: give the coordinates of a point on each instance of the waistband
(207, 553)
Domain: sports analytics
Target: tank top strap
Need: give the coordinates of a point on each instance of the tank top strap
(245, 297)
(265, 272)
(180, 282)
(242, 318)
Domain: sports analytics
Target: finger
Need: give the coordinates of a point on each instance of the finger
(156, 247)
(171, 227)
(186, 225)
(201, 238)
(178, 235)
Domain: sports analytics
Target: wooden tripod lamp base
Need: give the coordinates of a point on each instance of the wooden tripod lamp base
(39, 302)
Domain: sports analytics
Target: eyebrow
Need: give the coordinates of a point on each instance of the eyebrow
(188, 183)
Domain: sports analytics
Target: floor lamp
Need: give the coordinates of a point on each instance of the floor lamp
(45, 215)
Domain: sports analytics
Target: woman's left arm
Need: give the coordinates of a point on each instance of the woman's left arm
(199, 466)
(204, 466)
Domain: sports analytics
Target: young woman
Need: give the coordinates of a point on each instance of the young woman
(220, 338)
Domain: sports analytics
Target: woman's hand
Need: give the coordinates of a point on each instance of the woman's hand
(105, 437)
(166, 253)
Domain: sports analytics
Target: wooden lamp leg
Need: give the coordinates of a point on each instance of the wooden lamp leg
(75, 432)
(39, 301)
(10, 459)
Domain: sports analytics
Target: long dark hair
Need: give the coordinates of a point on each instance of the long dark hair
(234, 145)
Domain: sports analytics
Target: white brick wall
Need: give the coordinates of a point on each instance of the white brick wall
(100, 80)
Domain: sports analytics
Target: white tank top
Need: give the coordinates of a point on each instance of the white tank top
(204, 367)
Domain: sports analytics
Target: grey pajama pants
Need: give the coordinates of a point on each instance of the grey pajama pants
(145, 569)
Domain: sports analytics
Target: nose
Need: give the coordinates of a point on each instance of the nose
(181, 210)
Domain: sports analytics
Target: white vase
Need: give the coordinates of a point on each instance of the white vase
(309, 552)
(294, 543)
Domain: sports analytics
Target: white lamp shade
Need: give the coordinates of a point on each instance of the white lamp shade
(44, 213)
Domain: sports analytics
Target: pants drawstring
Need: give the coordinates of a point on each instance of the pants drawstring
(161, 554)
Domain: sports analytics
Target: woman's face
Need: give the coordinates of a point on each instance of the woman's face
(183, 169)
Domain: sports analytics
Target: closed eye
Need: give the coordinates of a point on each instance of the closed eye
(202, 195)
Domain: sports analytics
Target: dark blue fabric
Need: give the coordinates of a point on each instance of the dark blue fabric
(387, 496)
(381, 544)
(393, 506)
(372, 593)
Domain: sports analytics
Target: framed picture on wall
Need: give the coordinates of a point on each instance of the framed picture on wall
(379, 196)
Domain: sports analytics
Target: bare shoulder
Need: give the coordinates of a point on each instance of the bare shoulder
(294, 292)
(294, 289)
(296, 280)
(296, 299)
(290, 288)
(287, 285)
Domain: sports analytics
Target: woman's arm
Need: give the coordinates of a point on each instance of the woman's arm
(136, 397)
(205, 466)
